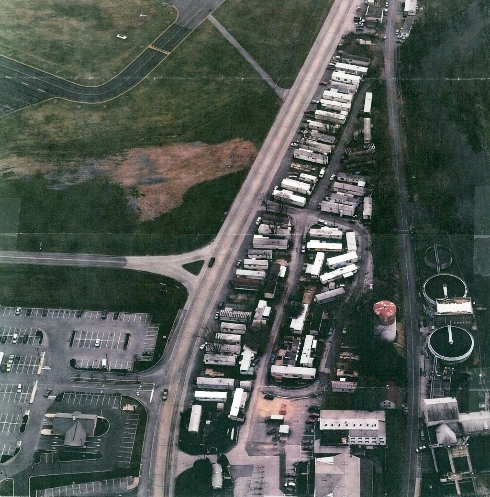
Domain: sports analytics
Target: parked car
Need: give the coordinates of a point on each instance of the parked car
(47, 392)
(211, 261)
(79, 313)
(258, 221)
(216, 316)
(269, 396)
(115, 315)
(17, 311)
(45, 312)
(28, 312)
(97, 342)
(103, 315)
(165, 394)
(3, 339)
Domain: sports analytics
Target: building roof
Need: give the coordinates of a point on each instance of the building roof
(440, 410)
(64, 422)
(76, 435)
(338, 475)
(475, 423)
(460, 305)
(354, 421)
(445, 435)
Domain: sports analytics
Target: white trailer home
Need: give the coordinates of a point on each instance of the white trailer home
(237, 328)
(210, 396)
(342, 260)
(350, 79)
(205, 383)
(350, 241)
(341, 272)
(335, 94)
(321, 246)
(296, 186)
(289, 198)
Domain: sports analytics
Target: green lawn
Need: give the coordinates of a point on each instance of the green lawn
(93, 217)
(278, 35)
(205, 91)
(77, 39)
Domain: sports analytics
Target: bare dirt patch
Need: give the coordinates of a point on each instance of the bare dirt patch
(155, 178)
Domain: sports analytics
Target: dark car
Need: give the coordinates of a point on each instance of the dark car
(79, 313)
(115, 315)
(25, 339)
(211, 261)
(314, 409)
(47, 392)
(272, 431)
(165, 394)
(16, 359)
(3, 339)
(269, 396)
(45, 313)
(28, 312)
(103, 315)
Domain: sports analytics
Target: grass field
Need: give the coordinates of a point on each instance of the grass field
(94, 217)
(278, 35)
(77, 39)
(203, 92)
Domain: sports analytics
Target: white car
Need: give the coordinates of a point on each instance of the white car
(258, 221)
(123, 37)
(17, 311)
(97, 342)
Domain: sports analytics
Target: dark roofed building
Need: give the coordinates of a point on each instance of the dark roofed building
(75, 427)
(441, 410)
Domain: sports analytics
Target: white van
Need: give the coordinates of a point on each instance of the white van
(15, 337)
(103, 364)
(19, 388)
(322, 173)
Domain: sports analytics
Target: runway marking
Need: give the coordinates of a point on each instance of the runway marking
(153, 47)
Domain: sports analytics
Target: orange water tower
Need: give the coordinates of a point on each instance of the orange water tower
(386, 326)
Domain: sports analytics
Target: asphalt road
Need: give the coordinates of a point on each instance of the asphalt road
(24, 85)
(410, 462)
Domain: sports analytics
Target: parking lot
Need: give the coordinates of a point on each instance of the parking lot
(92, 399)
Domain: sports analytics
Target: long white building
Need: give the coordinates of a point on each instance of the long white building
(335, 94)
(350, 241)
(321, 246)
(314, 270)
(341, 272)
(350, 79)
(342, 260)
(351, 68)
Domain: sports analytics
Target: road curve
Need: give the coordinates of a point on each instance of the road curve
(23, 85)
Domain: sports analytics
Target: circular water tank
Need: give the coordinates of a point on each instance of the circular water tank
(443, 285)
(386, 312)
(451, 344)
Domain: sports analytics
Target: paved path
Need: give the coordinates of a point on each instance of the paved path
(281, 92)
(407, 265)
